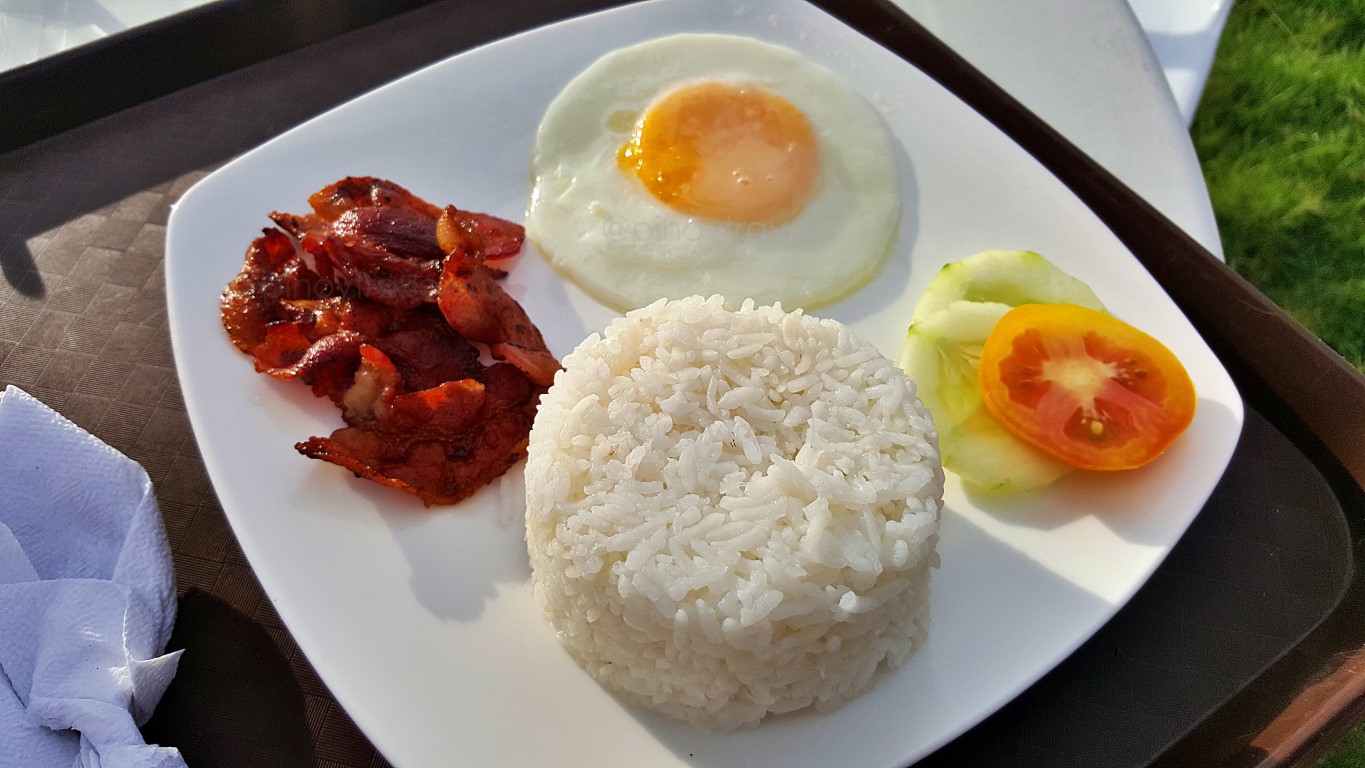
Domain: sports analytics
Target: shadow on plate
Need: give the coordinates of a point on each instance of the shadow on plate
(460, 554)
(1265, 560)
(1121, 501)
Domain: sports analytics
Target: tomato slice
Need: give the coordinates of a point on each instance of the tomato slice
(1084, 386)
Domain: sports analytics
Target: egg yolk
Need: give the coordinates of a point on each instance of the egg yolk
(724, 151)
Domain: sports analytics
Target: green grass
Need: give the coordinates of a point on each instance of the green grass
(1280, 133)
(1350, 753)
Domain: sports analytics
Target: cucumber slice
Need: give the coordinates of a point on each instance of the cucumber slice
(985, 455)
(942, 353)
(1004, 277)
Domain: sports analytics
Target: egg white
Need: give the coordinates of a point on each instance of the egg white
(605, 231)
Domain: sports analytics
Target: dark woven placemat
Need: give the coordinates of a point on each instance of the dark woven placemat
(83, 327)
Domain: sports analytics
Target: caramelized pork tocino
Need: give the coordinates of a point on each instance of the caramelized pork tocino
(496, 238)
(360, 191)
(475, 304)
(350, 299)
(441, 444)
(259, 295)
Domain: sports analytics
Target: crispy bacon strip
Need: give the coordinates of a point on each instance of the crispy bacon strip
(496, 238)
(327, 365)
(476, 305)
(441, 444)
(399, 231)
(364, 267)
(296, 225)
(256, 298)
(539, 365)
(427, 351)
(438, 472)
(361, 191)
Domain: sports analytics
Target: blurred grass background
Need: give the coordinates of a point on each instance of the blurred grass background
(1280, 133)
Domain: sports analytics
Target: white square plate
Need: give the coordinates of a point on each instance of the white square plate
(421, 621)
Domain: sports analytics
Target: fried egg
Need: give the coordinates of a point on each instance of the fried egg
(704, 164)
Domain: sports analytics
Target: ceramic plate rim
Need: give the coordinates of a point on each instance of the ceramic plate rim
(181, 273)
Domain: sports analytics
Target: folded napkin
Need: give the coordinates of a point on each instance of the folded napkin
(87, 597)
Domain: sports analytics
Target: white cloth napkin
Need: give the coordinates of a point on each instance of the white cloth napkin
(87, 597)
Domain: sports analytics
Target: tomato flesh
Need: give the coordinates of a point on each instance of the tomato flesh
(1084, 387)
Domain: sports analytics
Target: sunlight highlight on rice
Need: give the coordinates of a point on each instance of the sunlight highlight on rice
(732, 513)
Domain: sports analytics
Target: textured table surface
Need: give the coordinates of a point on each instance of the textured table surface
(83, 327)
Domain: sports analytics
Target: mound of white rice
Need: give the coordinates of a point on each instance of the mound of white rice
(732, 513)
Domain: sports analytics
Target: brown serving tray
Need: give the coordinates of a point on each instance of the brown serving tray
(1244, 649)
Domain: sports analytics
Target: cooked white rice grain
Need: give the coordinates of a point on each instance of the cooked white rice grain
(732, 513)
